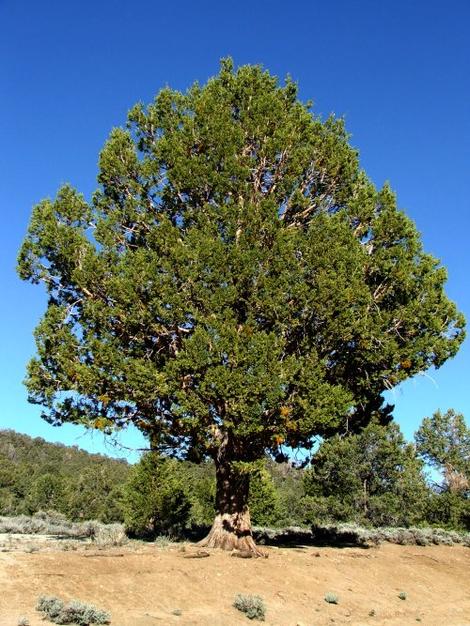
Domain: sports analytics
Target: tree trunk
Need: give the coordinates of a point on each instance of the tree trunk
(365, 503)
(231, 529)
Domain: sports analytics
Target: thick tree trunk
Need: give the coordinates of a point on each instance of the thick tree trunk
(231, 529)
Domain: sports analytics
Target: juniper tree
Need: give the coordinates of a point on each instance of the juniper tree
(236, 285)
(443, 441)
(155, 496)
(371, 477)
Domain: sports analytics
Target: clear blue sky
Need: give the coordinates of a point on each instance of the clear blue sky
(399, 71)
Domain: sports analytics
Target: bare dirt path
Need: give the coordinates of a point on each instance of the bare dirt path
(142, 585)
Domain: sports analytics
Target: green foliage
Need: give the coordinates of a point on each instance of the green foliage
(47, 492)
(201, 491)
(402, 595)
(264, 500)
(373, 477)
(288, 481)
(155, 496)
(252, 606)
(443, 441)
(448, 509)
(235, 275)
(334, 487)
(95, 491)
(36, 475)
(75, 612)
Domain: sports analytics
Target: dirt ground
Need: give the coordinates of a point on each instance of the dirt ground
(145, 585)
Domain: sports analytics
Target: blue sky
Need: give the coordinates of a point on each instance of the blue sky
(397, 70)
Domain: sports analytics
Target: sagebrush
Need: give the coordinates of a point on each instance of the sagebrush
(74, 612)
(252, 606)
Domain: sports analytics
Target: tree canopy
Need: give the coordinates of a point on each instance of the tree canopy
(235, 285)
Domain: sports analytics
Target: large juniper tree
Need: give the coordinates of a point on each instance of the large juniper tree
(235, 285)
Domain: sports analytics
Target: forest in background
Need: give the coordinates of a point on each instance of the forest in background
(374, 478)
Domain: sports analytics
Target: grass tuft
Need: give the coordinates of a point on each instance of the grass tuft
(162, 541)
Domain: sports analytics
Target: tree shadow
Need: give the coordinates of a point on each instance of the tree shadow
(317, 536)
(296, 537)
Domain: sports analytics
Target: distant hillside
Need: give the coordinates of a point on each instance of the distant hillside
(38, 475)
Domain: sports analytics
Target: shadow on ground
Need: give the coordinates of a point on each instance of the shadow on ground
(294, 537)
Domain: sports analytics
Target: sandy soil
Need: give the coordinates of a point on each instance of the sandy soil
(143, 585)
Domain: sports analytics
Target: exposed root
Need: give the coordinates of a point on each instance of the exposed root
(226, 536)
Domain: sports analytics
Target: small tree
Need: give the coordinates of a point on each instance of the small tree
(155, 498)
(201, 490)
(372, 477)
(95, 494)
(236, 284)
(264, 501)
(443, 441)
(47, 491)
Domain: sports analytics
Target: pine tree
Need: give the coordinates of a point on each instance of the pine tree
(235, 285)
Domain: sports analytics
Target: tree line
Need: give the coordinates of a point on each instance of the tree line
(37, 475)
(374, 478)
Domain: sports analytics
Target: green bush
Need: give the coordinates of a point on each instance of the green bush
(264, 502)
(48, 491)
(155, 497)
(449, 510)
(94, 494)
(371, 478)
(318, 510)
(201, 487)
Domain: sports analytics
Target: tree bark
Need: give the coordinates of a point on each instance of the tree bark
(231, 529)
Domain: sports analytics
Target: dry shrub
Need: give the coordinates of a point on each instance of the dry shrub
(75, 612)
(108, 535)
(252, 606)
